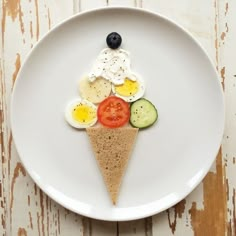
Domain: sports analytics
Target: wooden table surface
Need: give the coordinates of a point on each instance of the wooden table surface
(208, 211)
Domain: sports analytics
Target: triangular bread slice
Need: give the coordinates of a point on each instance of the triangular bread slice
(112, 149)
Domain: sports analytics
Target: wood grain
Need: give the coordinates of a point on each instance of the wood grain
(211, 220)
(226, 65)
(208, 210)
(26, 210)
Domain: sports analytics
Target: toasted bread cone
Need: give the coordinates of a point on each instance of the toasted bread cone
(112, 149)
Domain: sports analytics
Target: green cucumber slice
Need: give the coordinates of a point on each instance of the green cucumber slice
(143, 113)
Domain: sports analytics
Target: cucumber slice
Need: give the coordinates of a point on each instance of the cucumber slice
(143, 113)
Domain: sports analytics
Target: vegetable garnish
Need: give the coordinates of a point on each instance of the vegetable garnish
(143, 113)
(113, 112)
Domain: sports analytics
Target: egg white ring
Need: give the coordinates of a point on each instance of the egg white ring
(137, 95)
(68, 113)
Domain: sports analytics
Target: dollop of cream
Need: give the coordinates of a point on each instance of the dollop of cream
(112, 65)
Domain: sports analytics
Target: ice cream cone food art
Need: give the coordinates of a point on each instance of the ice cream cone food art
(111, 100)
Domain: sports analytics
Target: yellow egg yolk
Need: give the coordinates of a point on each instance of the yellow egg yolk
(128, 88)
(83, 114)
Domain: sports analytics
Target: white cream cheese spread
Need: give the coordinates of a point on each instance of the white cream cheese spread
(112, 65)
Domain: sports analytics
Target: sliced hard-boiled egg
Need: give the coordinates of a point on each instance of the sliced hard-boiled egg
(95, 91)
(81, 113)
(130, 90)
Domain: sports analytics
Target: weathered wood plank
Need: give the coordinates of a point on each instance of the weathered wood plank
(126, 3)
(30, 211)
(226, 47)
(84, 5)
(3, 148)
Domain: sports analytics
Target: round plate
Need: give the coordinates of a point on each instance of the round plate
(169, 159)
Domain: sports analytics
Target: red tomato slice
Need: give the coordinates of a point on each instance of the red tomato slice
(113, 112)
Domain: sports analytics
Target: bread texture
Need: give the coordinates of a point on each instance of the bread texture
(112, 149)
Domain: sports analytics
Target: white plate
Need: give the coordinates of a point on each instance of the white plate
(169, 160)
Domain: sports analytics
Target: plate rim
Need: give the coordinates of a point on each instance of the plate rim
(117, 216)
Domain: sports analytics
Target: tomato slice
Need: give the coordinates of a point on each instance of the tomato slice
(113, 112)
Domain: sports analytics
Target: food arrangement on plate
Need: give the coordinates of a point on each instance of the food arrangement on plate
(112, 109)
